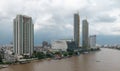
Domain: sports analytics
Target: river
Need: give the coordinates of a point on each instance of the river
(104, 60)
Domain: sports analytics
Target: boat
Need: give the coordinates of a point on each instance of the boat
(3, 66)
(85, 52)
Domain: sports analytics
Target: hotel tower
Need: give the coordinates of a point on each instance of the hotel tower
(23, 35)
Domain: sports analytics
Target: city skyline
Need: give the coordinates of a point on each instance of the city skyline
(47, 16)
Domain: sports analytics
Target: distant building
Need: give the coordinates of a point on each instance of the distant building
(76, 29)
(5, 48)
(71, 46)
(2, 52)
(85, 34)
(92, 41)
(59, 45)
(45, 44)
(23, 35)
(9, 57)
(41, 49)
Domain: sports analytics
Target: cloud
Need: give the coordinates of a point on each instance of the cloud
(105, 18)
(53, 19)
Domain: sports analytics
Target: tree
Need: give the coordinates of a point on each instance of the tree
(0, 58)
(70, 53)
(49, 55)
(65, 53)
(34, 54)
(40, 55)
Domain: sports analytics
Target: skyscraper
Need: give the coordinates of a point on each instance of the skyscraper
(92, 41)
(85, 33)
(76, 29)
(23, 35)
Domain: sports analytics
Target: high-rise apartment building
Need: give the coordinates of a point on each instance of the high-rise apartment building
(23, 35)
(76, 29)
(85, 34)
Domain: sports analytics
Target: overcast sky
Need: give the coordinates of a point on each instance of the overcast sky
(53, 19)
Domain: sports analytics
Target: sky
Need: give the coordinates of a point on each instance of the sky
(53, 19)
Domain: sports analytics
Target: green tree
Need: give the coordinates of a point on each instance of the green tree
(57, 53)
(65, 53)
(0, 58)
(40, 55)
(70, 53)
(34, 54)
(49, 55)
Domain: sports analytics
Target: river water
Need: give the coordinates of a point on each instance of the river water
(104, 60)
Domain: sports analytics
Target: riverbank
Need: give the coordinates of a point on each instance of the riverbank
(54, 56)
(92, 61)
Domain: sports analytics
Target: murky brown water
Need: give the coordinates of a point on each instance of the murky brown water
(104, 60)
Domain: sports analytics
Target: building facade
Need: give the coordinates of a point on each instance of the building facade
(85, 34)
(23, 35)
(76, 29)
(92, 41)
(59, 45)
(9, 57)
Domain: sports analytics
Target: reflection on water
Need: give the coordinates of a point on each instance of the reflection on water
(104, 60)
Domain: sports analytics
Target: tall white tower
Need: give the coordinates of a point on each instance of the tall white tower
(85, 34)
(23, 35)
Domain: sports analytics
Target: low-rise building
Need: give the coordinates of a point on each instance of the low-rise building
(40, 49)
(92, 41)
(59, 45)
(9, 56)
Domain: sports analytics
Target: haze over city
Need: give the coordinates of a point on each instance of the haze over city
(53, 19)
